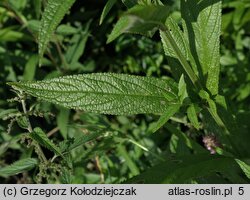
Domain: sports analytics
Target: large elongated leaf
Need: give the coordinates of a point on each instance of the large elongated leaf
(108, 93)
(18, 167)
(202, 25)
(52, 16)
(185, 169)
(141, 19)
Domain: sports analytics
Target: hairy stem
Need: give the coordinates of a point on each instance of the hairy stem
(25, 112)
(30, 129)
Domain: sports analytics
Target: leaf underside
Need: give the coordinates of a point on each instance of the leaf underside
(107, 93)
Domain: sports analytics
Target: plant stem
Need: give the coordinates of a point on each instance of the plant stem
(31, 130)
(25, 112)
(54, 130)
(167, 37)
(98, 165)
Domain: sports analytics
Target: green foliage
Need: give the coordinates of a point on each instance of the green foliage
(39, 136)
(170, 111)
(106, 9)
(186, 169)
(245, 167)
(18, 167)
(192, 116)
(53, 14)
(92, 69)
(116, 94)
(202, 26)
(141, 19)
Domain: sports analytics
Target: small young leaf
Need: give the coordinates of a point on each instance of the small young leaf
(245, 167)
(65, 29)
(182, 86)
(106, 9)
(30, 68)
(170, 111)
(189, 142)
(23, 122)
(84, 139)
(39, 136)
(129, 3)
(78, 41)
(18, 167)
(141, 19)
(192, 116)
(117, 94)
(52, 16)
(7, 113)
(62, 121)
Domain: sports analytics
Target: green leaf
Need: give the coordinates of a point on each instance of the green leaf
(192, 116)
(202, 26)
(117, 94)
(170, 111)
(106, 9)
(65, 29)
(9, 34)
(18, 167)
(84, 139)
(6, 113)
(141, 19)
(167, 39)
(23, 122)
(184, 169)
(39, 136)
(62, 121)
(177, 146)
(182, 44)
(30, 68)
(128, 160)
(184, 138)
(129, 3)
(179, 39)
(37, 7)
(182, 86)
(52, 16)
(78, 42)
(245, 167)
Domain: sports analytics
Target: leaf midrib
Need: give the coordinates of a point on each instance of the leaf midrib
(88, 92)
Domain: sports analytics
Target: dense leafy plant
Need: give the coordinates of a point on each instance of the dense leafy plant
(202, 122)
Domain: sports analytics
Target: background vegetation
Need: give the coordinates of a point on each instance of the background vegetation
(106, 148)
